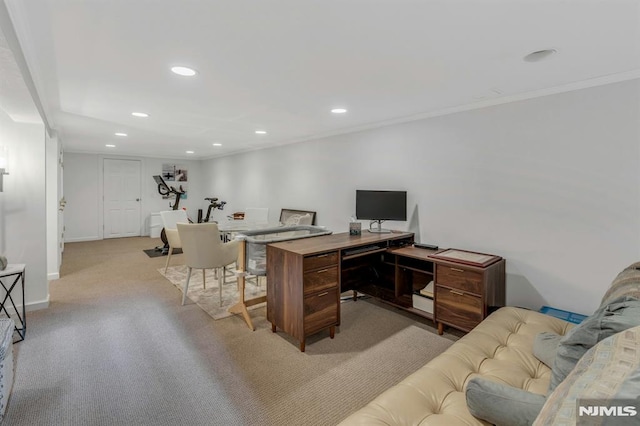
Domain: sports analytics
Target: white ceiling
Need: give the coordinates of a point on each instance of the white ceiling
(281, 65)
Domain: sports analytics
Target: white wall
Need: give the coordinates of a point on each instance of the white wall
(552, 184)
(22, 207)
(83, 192)
(52, 201)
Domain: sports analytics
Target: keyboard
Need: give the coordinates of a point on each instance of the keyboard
(360, 250)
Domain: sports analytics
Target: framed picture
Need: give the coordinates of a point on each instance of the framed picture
(297, 217)
(467, 257)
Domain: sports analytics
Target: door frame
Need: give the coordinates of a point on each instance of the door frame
(101, 158)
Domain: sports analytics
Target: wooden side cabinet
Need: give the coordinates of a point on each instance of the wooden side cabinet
(465, 294)
(304, 308)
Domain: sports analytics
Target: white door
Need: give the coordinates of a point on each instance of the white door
(121, 184)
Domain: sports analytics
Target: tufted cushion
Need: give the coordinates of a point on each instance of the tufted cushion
(499, 348)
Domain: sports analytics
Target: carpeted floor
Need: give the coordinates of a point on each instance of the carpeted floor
(115, 347)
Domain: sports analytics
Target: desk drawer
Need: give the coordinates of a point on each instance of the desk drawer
(320, 260)
(321, 279)
(458, 308)
(459, 278)
(320, 311)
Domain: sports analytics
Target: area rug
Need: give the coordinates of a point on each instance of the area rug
(157, 253)
(208, 299)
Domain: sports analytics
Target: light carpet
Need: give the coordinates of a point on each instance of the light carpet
(115, 347)
(208, 299)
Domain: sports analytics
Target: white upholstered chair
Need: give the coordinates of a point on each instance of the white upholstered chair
(170, 218)
(203, 249)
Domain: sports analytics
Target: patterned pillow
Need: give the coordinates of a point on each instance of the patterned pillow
(607, 375)
(621, 314)
(627, 283)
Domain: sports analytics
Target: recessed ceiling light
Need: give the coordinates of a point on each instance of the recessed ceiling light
(539, 55)
(189, 152)
(338, 110)
(110, 145)
(261, 132)
(140, 114)
(184, 71)
(120, 134)
(217, 144)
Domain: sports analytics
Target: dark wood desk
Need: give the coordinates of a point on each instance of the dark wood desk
(305, 278)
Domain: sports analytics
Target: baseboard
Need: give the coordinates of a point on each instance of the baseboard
(35, 306)
(31, 306)
(53, 276)
(81, 239)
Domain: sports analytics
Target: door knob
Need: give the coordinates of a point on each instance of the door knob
(137, 199)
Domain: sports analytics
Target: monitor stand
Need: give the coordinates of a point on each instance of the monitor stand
(379, 229)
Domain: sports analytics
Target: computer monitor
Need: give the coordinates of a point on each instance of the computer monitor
(379, 206)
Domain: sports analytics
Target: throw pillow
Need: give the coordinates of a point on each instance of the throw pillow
(608, 374)
(626, 283)
(619, 315)
(501, 404)
(545, 347)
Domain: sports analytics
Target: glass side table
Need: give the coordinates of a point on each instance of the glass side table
(11, 277)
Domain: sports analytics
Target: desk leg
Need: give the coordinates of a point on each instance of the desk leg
(440, 328)
(332, 331)
(241, 306)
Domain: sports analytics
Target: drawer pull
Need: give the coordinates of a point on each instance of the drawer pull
(323, 271)
(323, 294)
(457, 270)
(459, 293)
(322, 255)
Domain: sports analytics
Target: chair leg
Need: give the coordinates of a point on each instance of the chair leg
(204, 279)
(186, 285)
(220, 285)
(168, 258)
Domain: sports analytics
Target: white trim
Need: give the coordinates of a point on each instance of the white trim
(31, 306)
(53, 276)
(81, 239)
(41, 304)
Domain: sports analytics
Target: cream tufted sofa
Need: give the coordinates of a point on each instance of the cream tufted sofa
(500, 348)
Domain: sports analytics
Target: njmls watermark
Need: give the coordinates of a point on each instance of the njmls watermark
(608, 412)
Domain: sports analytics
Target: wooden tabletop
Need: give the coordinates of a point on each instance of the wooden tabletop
(340, 241)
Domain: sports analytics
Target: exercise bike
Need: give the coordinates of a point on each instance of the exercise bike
(213, 204)
(166, 191)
